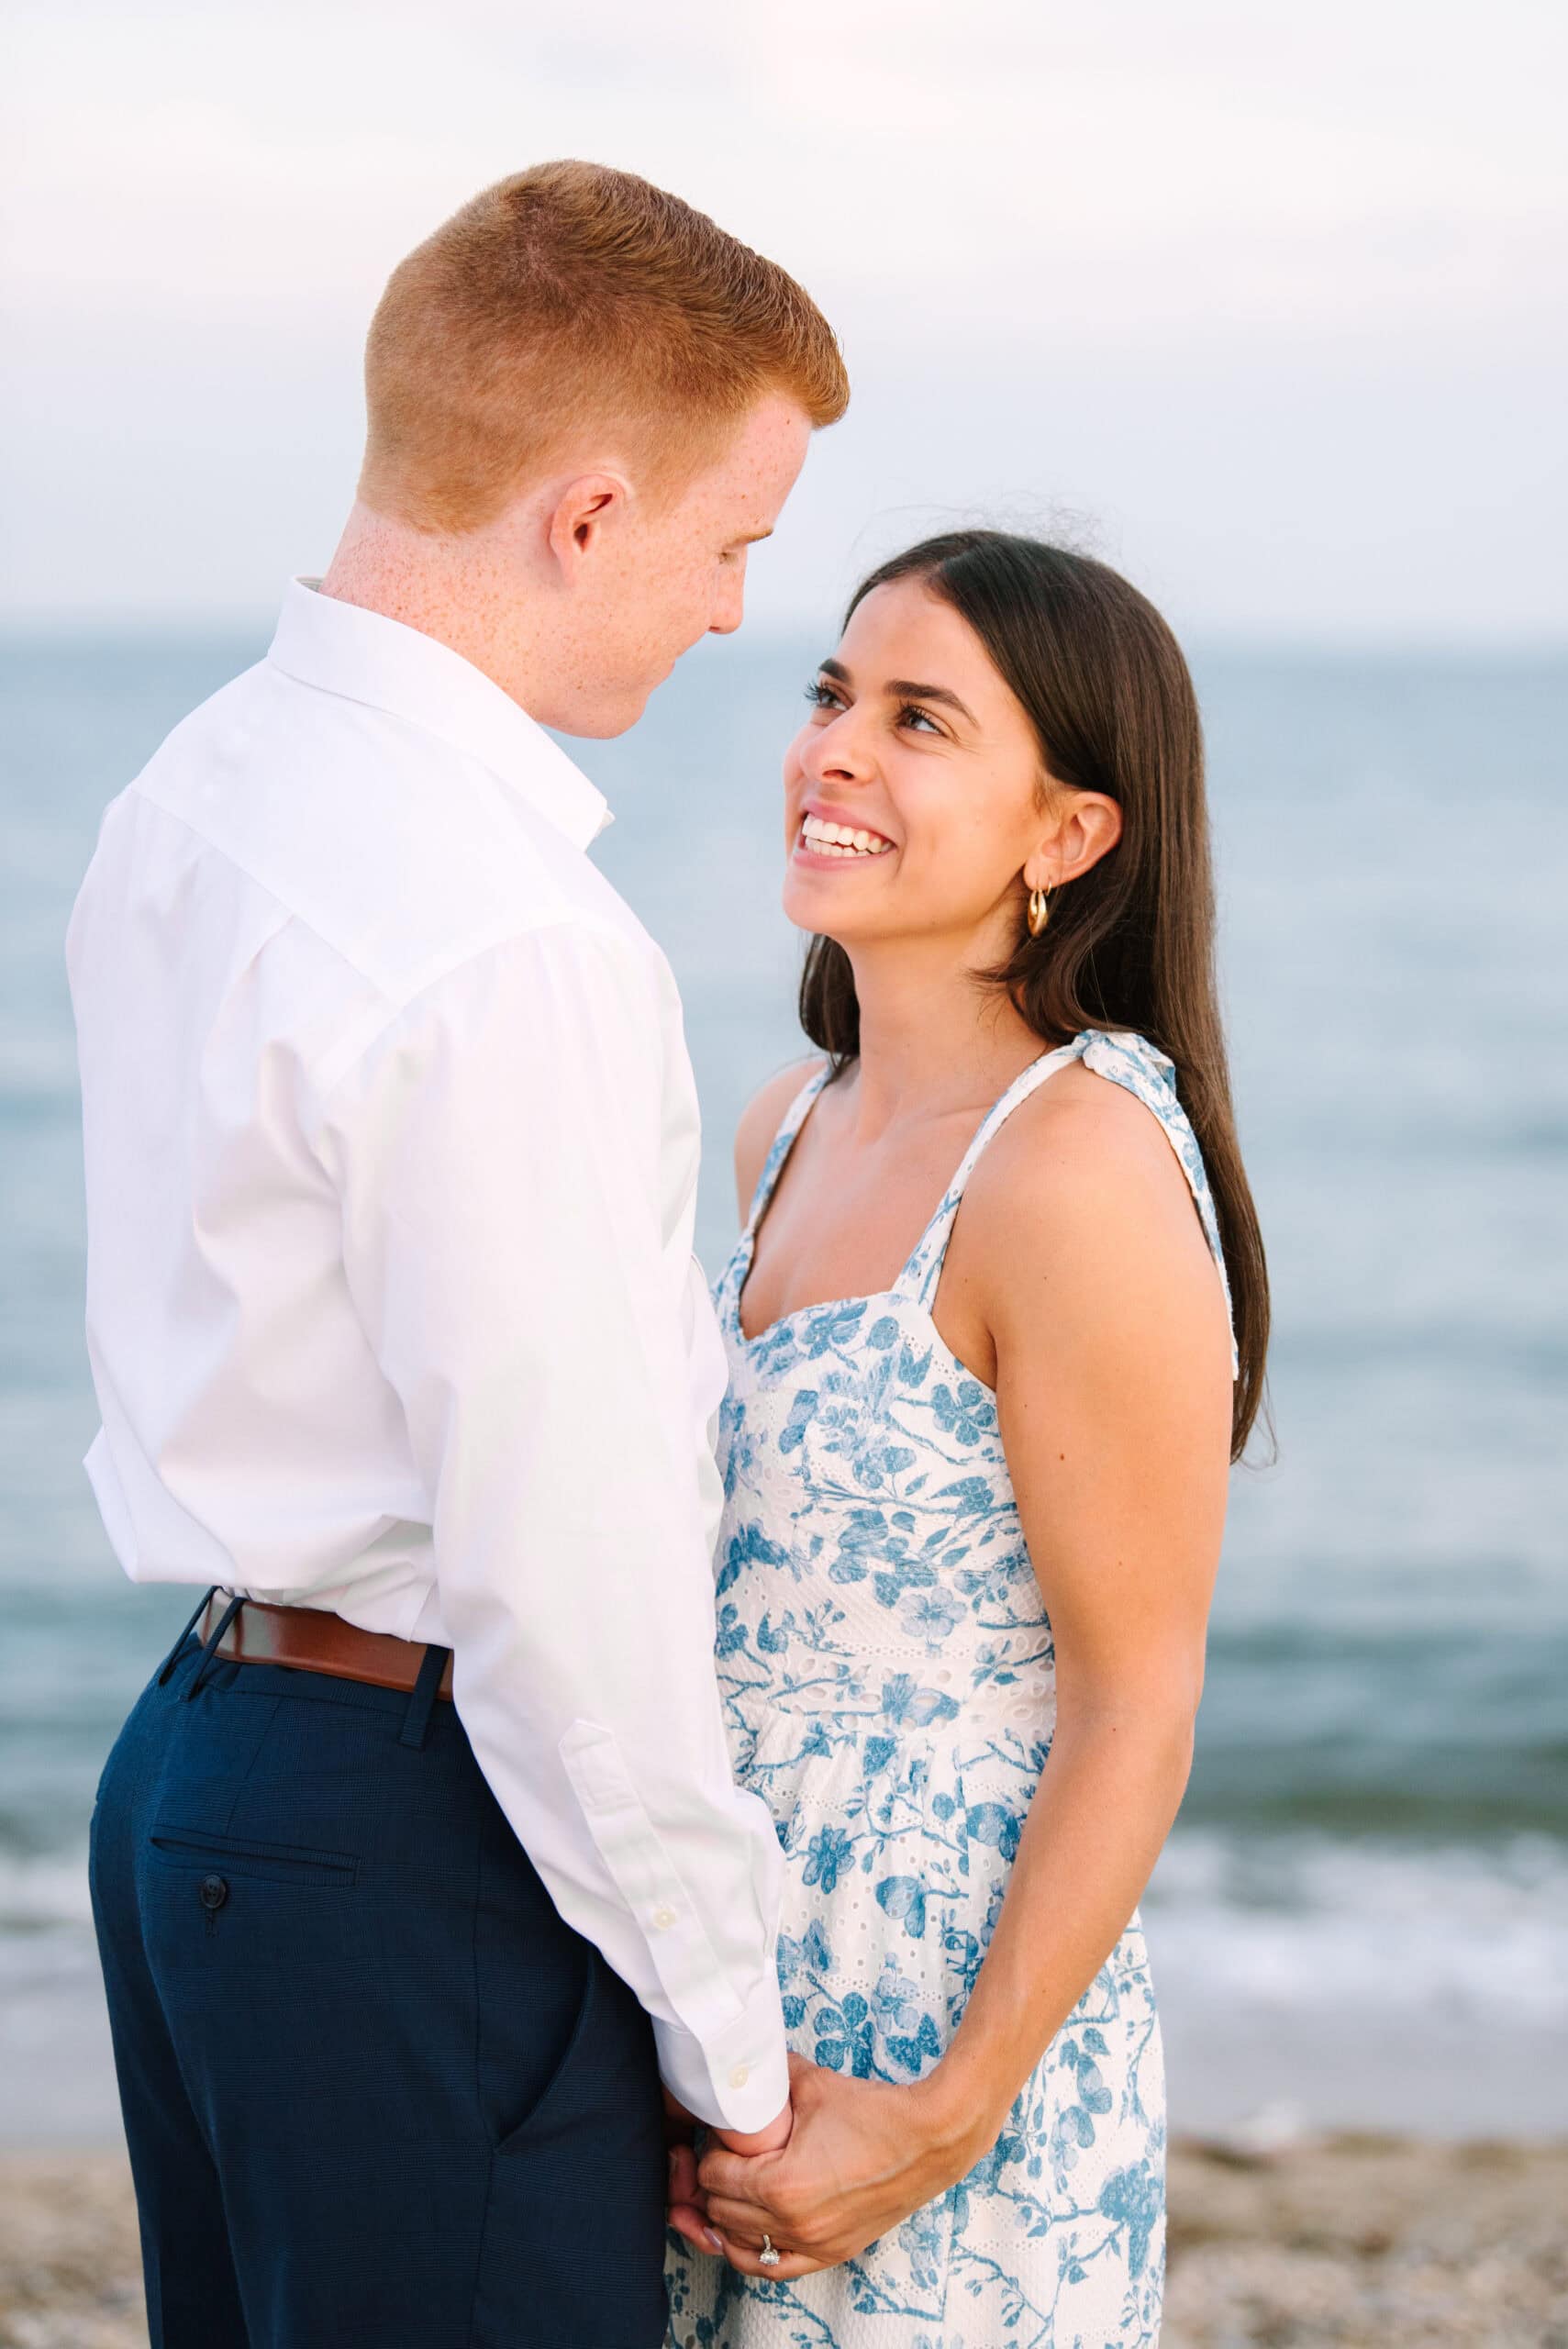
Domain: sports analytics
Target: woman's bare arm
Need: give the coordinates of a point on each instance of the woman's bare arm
(1113, 1386)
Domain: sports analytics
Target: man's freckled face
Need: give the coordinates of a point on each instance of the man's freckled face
(675, 574)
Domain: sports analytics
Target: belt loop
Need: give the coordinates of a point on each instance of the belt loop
(416, 1721)
(173, 1658)
(224, 1620)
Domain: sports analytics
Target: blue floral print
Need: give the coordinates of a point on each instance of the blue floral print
(888, 1678)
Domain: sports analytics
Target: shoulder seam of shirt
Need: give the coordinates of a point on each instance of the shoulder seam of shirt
(339, 1064)
(481, 942)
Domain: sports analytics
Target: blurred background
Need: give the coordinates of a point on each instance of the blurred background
(1264, 307)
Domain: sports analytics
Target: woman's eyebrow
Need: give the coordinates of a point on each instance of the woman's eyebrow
(905, 689)
(901, 689)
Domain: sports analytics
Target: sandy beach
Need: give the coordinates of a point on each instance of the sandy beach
(1362, 2241)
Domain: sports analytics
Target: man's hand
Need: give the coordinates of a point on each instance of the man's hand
(682, 2196)
(860, 2158)
(686, 2203)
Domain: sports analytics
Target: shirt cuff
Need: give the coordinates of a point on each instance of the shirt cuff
(734, 2078)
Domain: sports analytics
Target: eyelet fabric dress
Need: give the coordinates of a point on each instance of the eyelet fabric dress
(887, 1673)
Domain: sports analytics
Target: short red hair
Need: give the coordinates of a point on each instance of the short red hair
(572, 299)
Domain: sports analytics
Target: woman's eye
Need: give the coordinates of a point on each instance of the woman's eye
(822, 697)
(912, 715)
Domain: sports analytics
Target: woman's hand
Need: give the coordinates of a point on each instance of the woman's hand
(861, 2157)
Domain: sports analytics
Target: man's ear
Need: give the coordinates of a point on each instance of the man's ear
(1088, 827)
(581, 514)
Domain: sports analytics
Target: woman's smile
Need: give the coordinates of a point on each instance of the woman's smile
(825, 839)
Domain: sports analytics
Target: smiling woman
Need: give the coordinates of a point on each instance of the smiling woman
(1078, 685)
(980, 1411)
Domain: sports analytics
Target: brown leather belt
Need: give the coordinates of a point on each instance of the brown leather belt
(306, 1638)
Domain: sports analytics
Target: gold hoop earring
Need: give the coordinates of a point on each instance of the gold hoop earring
(1040, 910)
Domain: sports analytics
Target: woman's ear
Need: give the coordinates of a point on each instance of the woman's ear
(1088, 826)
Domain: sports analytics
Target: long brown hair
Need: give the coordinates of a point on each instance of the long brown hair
(1130, 944)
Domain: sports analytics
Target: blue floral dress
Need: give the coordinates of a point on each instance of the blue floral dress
(887, 1673)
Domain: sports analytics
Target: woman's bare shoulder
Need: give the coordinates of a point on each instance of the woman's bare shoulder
(760, 1121)
(1088, 1279)
(1082, 1170)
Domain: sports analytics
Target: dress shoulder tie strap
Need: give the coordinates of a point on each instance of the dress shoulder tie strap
(924, 1269)
(1140, 1068)
(1123, 1058)
(784, 1141)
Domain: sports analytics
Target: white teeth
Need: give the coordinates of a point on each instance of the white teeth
(828, 838)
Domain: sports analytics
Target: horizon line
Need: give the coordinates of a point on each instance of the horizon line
(1390, 642)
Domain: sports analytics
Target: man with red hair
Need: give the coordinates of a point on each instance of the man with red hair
(401, 1357)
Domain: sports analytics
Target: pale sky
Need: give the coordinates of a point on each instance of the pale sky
(1267, 302)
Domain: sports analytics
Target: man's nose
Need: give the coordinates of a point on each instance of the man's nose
(728, 610)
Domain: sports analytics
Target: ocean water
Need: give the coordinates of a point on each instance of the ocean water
(1363, 1917)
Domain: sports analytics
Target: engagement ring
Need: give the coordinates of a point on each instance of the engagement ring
(768, 2257)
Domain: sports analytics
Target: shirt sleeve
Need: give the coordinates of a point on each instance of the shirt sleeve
(524, 1281)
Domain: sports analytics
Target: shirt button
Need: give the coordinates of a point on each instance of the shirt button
(739, 2075)
(212, 1892)
(664, 1918)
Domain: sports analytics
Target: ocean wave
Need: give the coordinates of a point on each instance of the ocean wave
(1299, 1923)
(1309, 1922)
(42, 1892)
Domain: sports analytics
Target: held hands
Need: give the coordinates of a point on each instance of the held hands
(858, 2159)
(685, 2196)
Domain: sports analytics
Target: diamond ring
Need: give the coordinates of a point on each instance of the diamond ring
(767, 2256)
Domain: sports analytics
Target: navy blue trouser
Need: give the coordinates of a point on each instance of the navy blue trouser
(376, 2092)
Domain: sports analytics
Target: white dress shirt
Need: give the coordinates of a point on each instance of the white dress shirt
(392, 1156)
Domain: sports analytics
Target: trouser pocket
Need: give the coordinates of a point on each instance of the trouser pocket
(557, 2079)
(233, 1856)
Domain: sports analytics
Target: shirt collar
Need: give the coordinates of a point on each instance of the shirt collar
(365, 657)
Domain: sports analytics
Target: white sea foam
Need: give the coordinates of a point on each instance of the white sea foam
(43, 1891)
(1364, 1986)
(1312, 1923)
